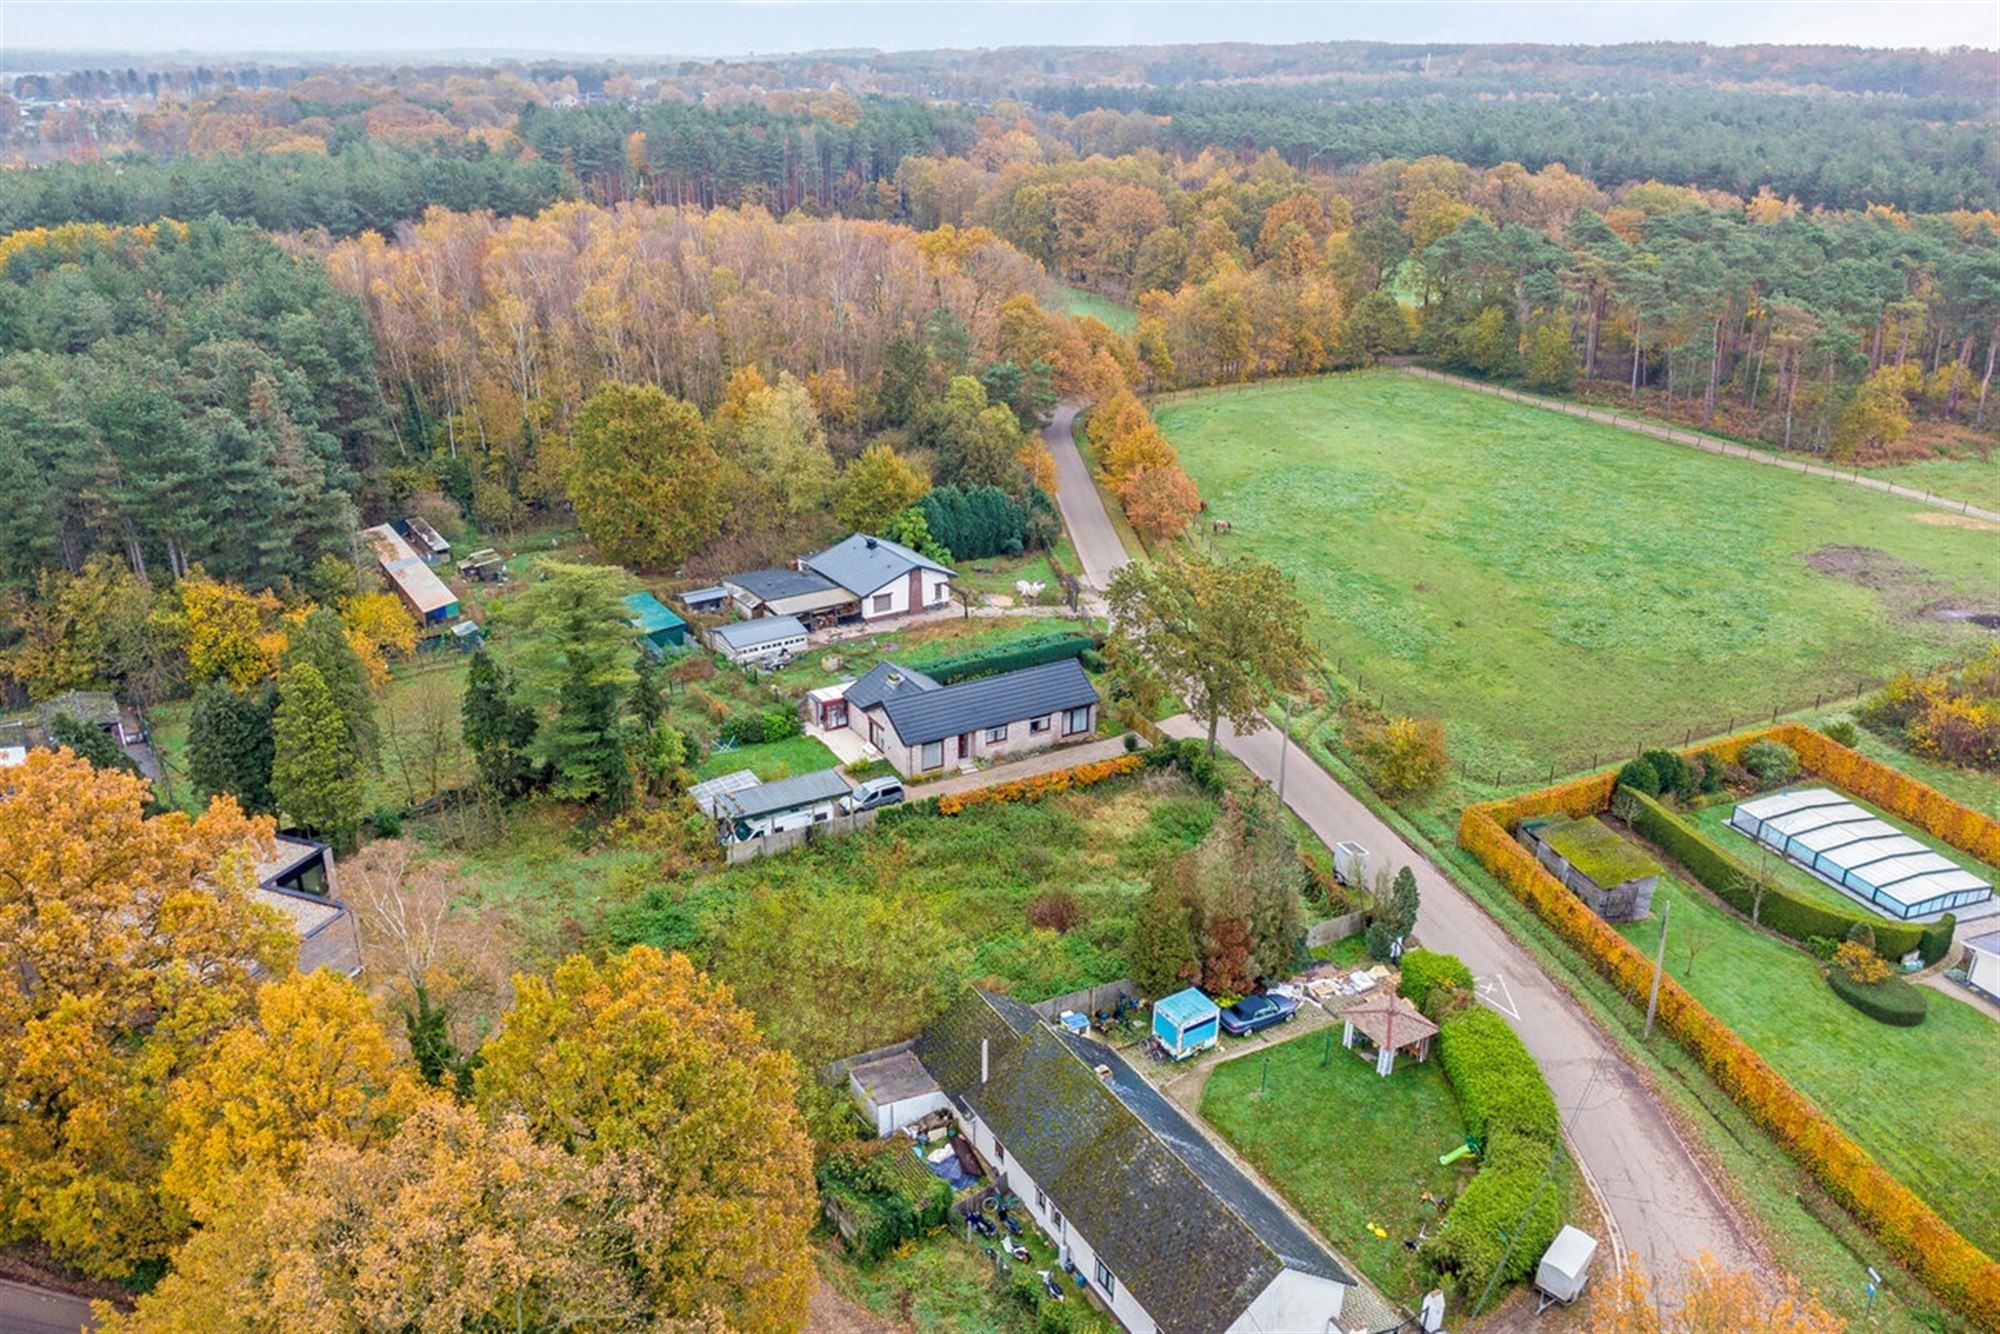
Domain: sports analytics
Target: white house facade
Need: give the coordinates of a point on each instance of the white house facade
(885, 578)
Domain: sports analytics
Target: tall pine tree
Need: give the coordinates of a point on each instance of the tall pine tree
(321, 639)
(229, 744)
(315, 779)
(498, 729)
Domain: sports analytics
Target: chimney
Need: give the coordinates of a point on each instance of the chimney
(1104, 1073)
(982, 1061)
(871, 544)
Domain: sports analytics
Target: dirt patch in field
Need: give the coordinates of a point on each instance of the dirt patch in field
(1939, 519)
(1907, 590)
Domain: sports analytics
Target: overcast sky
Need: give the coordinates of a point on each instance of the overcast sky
(717, 29)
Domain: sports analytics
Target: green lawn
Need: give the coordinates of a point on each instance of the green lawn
(1970, 478)
(1976, 788)
(919, 645)
(1081, 301)
(1557, 589)
(1714, 821)
(1925, 1101)
(1344, 1145)
(999, 574)
(770, 759)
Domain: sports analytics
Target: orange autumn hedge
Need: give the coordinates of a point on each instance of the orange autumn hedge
(1953, 1267)
(1037, 786)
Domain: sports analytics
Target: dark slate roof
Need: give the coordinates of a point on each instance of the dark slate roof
(861, 564)
(764, 630)
(989, 701)
(786, 794)
(1189, 1235)
(774, 585)
(875, 685)
(86, 706)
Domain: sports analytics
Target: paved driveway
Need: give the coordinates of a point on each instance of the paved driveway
(1097, 546)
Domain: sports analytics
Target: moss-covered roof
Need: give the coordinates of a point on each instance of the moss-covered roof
(1593, 849)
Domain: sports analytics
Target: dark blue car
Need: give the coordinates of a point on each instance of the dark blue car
(1255, 1013)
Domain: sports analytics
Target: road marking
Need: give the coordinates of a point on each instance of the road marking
(1493, 990)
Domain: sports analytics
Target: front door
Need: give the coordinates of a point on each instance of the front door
(965, 745)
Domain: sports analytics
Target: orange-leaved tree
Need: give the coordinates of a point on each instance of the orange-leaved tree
(128, 944)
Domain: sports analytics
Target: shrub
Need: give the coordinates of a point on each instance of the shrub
(1843, 732)
(1092, 660)
(1859, 963)
(1007, 658)
(782, 722)
(1037, 786)
(1862, 934)
(1131, 742)
(1770, 761)
(1054, 911)
(1887, 1000)
(744, 729)
(1640, 775)
(1404, 758)
(1822, 947)
(1677, 776)
(878, 1196)
(1931, 946)
(1712, 767)
(1500, 1090)
(386, 823)
(1425, 970)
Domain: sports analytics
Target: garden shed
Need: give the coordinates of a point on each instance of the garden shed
(657, 628)
(1859, 852)
(1186, 1023)
(1607, 872)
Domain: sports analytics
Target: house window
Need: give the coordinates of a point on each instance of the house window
(996, 733)
(883, 602)
(1041, 1201)
(1038, 724)
(875, 734)
(1105, 1283)
(1076, 720)
(1056, 1223)
(933, 755)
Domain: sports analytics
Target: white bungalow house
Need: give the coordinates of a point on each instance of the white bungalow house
(920, 726)
(1168, 1233)
(885, 578)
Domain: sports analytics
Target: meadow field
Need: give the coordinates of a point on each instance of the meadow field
(1082, 301)
(1558, 590)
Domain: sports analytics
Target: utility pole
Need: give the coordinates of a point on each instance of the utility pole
(1659, 961)
(1284, 749)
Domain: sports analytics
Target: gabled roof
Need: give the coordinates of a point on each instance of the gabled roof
(991, 701)
(86, 706)
(1192, 1238)
(418, 582)
(776, 585)
(884, 680)
(648, 615)
(1988, 943)
(763, 630)
(785, 794)
(861, 564)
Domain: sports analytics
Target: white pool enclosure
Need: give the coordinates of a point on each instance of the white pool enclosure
(1849, 848)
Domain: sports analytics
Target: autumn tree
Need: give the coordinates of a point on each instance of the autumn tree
(643, 477)
(1402, 757)
(1711, 1299)
(315, 776)
(566, 641)
(225, 631)
(381, 629)
(229, 743)
(1160, 502)
(131, 942)
(875, 488)
(977, 443)
(781, 443)
(1226, 635)
(645, 1066)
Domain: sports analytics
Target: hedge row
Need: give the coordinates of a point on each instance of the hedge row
(1500, 1089)
(1426, 970)
(1009, 658)
(1788, 914)
(1890, 1001)
(1957, 1271)
(1894, 791)
(1037, 786)
(1473, 1241)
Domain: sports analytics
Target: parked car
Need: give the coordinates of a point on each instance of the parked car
(872, 794)
(1255, 1013)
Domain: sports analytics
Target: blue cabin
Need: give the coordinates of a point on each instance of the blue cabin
(1186, 1022)
(656, 627)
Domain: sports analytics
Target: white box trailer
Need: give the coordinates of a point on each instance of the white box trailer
(1565, 1266)
(1350, 864)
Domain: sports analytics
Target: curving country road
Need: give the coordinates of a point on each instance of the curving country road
(1662, 1205)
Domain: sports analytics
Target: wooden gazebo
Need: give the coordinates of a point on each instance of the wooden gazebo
(1392, 1024)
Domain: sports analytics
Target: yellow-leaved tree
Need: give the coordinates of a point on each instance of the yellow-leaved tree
(129, 944)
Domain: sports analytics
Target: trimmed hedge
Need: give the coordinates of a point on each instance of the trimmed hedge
(1425, 970)
(1500, 1090)
(1957, 1271)
(1788, 914)
(1037, 786)
(1890, 1001)
(1011, 658)
(1475, 1233)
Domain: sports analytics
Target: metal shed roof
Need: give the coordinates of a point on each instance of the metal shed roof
(763, 630)
(406, 569)
(786, 794)
(861, 564)
(649, 615)
(991, 701)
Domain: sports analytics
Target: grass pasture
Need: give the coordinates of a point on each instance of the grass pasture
(1082, 301)
(1924, 1101)
(1558, 589)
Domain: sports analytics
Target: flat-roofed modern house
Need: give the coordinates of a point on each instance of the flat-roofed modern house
(428, 597)
(744, 808)
(813, 599)
(747, 641)
(885, 578)
(296, 878)
(1168, 1233)
(919, 726)
(1859, 852)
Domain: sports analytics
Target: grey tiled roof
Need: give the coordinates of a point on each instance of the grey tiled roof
(875, 685)
(861, 564)
(775, 585)
(784, 794)
(763, 630)
(989, 702)
(1192, 1238)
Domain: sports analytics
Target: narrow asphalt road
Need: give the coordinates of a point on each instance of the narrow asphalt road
(1662, 1205)
(30, 1310)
